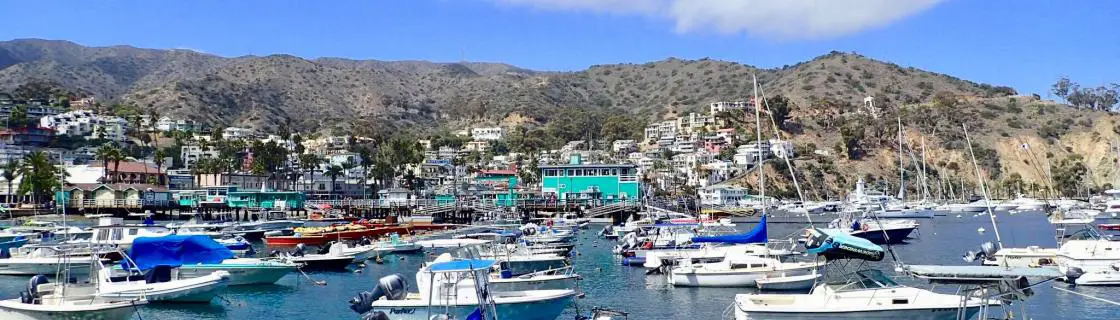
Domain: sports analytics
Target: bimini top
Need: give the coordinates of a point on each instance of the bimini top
(836, 244)
(756, 235)
(462, 265)
(174, 251)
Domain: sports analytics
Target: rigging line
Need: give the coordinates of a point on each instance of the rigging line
(1087, 296)
(983, 186)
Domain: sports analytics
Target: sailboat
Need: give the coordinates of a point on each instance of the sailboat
(737, 270)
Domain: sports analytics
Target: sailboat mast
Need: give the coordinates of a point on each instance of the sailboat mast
(925, 174)
(901, 172)
(983, 187)
(758, 144)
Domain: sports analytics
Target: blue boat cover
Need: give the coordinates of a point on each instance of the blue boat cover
(837, 244)
(174, 251)
(756, 235)
(462, 265)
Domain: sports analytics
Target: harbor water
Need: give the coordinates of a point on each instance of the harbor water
(606, 283)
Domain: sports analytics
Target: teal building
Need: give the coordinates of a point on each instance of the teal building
(579, 181)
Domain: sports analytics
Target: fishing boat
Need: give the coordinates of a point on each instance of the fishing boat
(44, 300)
(444, 293)
(450, 243)
(151, 270)
(114, 232)
(200, 256)
(878, 231)
(864, 294)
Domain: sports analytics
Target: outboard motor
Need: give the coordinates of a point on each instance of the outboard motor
(987, 250)
(274, 253)
(392, 287)
(365, 241)
(1072, 273)
(31, 296)
(298, 251)
(375, 316)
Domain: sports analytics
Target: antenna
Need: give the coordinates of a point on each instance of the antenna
(983, 187)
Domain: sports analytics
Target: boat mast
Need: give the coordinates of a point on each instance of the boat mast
(758, 145)
(983, 186)
(925, 174)
(901, 171)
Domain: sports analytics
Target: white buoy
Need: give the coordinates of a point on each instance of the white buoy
(981, 230)
(958, 216)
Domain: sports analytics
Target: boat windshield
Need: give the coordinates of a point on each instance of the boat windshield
(867, 279)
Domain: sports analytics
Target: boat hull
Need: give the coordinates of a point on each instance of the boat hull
(550, 283)
(895, 235)
(44, 266)
(331, 264)
(522, 267)
(188, 291)
(549, 309)
(239, 275)
(729, 279)
(15, 310)
(909, 314)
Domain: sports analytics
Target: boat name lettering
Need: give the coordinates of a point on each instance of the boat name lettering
(402, 311)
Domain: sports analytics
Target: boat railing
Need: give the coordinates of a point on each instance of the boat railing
(566, 271)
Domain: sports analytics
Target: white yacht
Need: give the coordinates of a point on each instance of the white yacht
(741, 271)
(868, 295)
(113, 232)
(45, 260)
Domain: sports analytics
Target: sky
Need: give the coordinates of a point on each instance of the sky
(1026, 44)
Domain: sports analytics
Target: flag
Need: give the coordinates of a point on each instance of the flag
(476, 315)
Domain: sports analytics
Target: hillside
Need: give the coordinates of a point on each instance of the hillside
(369, 96)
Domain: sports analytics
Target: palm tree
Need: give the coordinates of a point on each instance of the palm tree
(10, 174)
(118, 156)
(334, 172)
(37, 173)
(309, 162)
(159, 156)
(106, 154)
(366, 156)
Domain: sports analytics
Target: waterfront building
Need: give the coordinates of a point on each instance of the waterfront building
(266, 199)
(577, 180)
(491, 133)
(393, 197)
(113, 195)
(191, 153)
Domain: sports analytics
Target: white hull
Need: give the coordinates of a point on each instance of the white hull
(1107, 278)
(912, 314)
(239, 274)
(202, 289)
(44, 266)
(13, 309)
(521, 308)
(728, 279)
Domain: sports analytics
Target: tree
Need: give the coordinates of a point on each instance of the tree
(159, 156)
(18, 117)
(39, 176)
(11, 171)
(216, 134)
(108, 153)
(309, 162)
(779, 110)
(1062, 87)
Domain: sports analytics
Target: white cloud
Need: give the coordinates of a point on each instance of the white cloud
(778, 19)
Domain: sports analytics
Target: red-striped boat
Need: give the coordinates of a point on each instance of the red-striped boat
(353, 231)
(1114, 226)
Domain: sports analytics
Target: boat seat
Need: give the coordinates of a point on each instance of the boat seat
(159, 274)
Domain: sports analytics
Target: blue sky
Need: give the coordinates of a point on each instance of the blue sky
(1026, 44)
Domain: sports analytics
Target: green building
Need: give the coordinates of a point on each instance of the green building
(267, 199)
(579, 181)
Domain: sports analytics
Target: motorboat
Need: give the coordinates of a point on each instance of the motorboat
(878, 231)
(44, 260)
(334, 259)
(257, 229)
(1031, 256)
(161, 284)
(242, 271)
(1024, 203)
(868, 295)
(44, 300)
(199, 256)
(520, 262)
(444, 294)
(502, 279)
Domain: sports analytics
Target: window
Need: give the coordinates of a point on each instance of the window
(132, 232)
(605, 172)
(614, 172)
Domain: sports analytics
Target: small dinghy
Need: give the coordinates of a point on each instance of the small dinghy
(801, 282)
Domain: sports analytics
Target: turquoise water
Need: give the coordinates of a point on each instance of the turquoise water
(606, 283)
